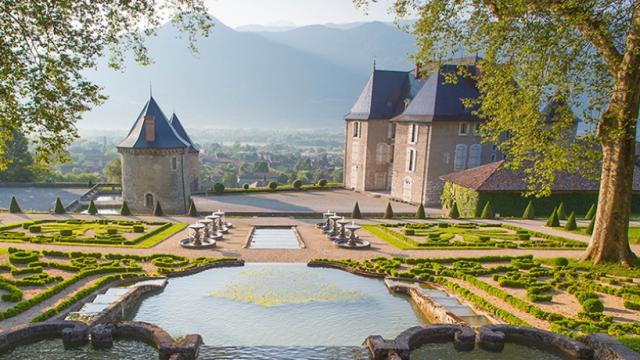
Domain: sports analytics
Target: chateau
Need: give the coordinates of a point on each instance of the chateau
(160, 163)
(405, 131)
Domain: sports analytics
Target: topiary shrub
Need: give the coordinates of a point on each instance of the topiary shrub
(453, 212)
(529, 212)
(562, 215)
(297, 184)
(593, 306)
(409, 232)
(58, 208)
(591, 213)
(487, 212)
(92, 210)
(124, 209)
(561, 261)
(322, 183)
(571, 222)
(592, 224)
(138, 228)
(420, 214)
(273, 185)
(14, 208)
(218, 188)
(157, 209)
(66, 232)
(553, 219)
(193, 212)
(355, 213)
(245, 186)
(23, 257)
(388, 212)
(35, 229)
(112, 231)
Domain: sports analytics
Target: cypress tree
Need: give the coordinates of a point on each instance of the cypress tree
(553, 219)
(355, 214)
(14, 208)
(388, 212)
(561, 213)
(193, 212)
(487, 212)
(592, 224)
(92, 208)
(591, 213)
(571, 222)
(59, 208)
(157, 210)
(529, 212)
(420, 212)
(453, 212)
(124, 209)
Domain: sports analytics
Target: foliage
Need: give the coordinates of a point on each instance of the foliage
(561, 261)
(261, 166)
(14, 208)
(453, 212)
(487, 212)
(48, 49)
(157, 209)
(591, 213)
(92, 210)
(17, 158)
(322, 182)
(562, 215)
(529, 212)
(124, 209)
(297, 184)
(355, 213)
(591, 226)
(553, 219)
(420, 214)
(467, 200)
(218, 188)
(571, 222)
(58, 207)
(113, 170)
(273, 185)
(388, 212)
(245, 186)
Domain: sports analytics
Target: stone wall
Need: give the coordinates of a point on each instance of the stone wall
(31, 333)
(407, 185)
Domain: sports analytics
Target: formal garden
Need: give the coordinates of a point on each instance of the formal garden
(99, 232)
(27, 278)
(467, 235)
(561, 295)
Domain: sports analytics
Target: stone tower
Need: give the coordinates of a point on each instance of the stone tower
(159, 163)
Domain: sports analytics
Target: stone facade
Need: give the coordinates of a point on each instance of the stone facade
(370, 155)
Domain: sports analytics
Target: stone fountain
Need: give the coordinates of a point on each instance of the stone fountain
(199, 236)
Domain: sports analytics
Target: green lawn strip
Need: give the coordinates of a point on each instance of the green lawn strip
(634, 233)
(632, 342)
(389, 236)
(154, 238)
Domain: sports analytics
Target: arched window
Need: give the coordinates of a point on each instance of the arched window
(148, 200)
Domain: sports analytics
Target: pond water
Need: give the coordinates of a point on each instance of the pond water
(54, 350)
(274, 238)
(511, 351)
(288, 305)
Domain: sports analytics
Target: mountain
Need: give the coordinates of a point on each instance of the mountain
(307, 78)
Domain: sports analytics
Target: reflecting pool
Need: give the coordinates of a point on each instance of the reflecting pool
(288, 305)
(54, 350)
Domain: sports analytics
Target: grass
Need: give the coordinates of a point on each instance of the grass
(634, 233)
(632, 342)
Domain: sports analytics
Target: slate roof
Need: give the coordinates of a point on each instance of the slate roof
(439, 100)
(166, 137)
(496, 177)
(384, 94)
(177, 125)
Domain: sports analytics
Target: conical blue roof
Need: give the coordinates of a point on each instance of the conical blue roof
(166, 137)
(177, 126)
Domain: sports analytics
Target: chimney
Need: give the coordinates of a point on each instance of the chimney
(418, 70)
(149, 129)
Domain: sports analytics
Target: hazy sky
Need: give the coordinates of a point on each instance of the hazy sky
(299, 12)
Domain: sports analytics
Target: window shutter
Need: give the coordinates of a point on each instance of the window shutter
(475, 155)
(460, 158)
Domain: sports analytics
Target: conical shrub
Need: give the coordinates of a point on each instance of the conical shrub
(14, 208)
(58, 208)
(193, 212)
(92, 210)
(453, 212)
(592, 224)
(420, 212)
(388, 212)
(157, 210)
(529, 212)
(124, 209)
(553, 219)
(591, 213)
(562, 214)
(355, 214)
(487, 212)
(571, 222)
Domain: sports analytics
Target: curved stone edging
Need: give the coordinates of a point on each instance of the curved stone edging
(213, 265)
(344, 267)
(492, 338)
(72, 333)
(607, 347)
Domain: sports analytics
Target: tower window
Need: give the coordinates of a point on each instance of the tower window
(356, 129)
(413, 134)
(174, 163)
(411, 160)
(148, 200)
(464, 129)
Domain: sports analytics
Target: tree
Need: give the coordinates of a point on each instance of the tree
(273, 185)
(541, 52)
(487, 212)
(337, 175)
(157, 209)
(529, 212)
(218, 188)
(322, 182)
(454, 213)
(113, 171)
(297, 184)
(388, 212)
(58, 207)
(553, 219)
(14, 208)
(571, 222)
(355, 213)
(420, 212)
(92, 210)
(48, 49)
(19, 162)
(261, 166)
(591, 213)
(193, 212)
(562, 214)
(124, 209)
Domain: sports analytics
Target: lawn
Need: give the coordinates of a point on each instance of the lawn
(567, 297)
(444, 235)
(634, 233)
(124, 233)
(28, 278)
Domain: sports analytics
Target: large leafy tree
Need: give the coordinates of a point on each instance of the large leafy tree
(20, 162)
(46, 44)
(583, 56)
